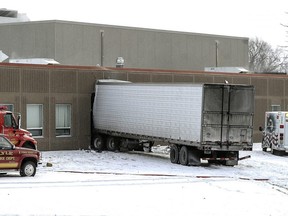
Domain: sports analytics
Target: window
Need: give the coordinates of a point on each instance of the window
(35, 119)
(10, 107)
(275, 107)
(4, 143)
(9, 121)
(63, 119)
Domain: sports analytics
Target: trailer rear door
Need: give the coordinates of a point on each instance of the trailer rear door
(227, 114)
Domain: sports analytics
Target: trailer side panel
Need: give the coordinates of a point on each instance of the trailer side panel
(153, 110)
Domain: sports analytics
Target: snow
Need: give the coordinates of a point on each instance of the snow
(108, 183)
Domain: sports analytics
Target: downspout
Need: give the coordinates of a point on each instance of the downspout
(102, 47)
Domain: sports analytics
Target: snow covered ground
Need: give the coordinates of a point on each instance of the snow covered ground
(90, 183)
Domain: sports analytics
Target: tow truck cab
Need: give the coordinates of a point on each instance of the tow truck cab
(10, 127)
(16, 158)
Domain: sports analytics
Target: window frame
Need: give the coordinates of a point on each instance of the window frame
(63, 128)
(8, 105)
(30, 129)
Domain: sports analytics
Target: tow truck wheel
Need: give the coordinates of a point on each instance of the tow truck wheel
(28, 169)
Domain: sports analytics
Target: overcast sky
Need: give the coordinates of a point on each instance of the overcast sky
(244, 18)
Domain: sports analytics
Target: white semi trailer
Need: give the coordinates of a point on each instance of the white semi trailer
(199, 121)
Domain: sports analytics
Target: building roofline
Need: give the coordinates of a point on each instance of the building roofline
(58, 66)
(124, 27)
(141, 70)
(138, 70)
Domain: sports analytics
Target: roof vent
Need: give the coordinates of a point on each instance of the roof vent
(42, 61)
(8, 13)
(3, 56)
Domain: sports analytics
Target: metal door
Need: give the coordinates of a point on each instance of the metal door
(227, 113)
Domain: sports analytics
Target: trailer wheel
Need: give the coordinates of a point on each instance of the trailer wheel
(183, 156)
(98, 143)
(174, 154)
(112, 144)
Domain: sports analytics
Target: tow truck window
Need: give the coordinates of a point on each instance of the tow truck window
(4, 144)
(9, 121)
(10, 107)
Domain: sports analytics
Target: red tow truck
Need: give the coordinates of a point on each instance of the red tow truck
(15, 158)
(10, 127)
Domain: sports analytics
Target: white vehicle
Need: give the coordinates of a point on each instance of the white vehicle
(212, 122)
(275, 133)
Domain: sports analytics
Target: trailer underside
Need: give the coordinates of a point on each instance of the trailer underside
(181, 152)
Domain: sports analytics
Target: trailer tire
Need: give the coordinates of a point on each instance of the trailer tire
(112, 144)
(183, 156)
(174, 154)
(98, 143)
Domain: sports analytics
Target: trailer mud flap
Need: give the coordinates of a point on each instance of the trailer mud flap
(194, 157)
